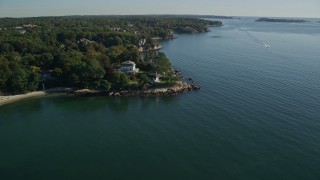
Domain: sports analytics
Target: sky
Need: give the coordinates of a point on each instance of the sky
(265, 8)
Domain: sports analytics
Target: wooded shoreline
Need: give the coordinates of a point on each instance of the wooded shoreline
(89, 51)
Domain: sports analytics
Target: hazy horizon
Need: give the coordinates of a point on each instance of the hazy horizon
(272, 8)
(160, 15)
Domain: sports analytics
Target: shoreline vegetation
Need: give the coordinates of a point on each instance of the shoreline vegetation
(102, 54)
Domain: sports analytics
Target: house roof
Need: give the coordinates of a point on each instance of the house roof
(128, 63)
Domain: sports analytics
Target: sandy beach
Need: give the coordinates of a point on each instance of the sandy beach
(13, 98)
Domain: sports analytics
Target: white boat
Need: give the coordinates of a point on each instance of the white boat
(266, 45)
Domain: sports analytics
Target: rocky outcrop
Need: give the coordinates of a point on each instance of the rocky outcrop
(88, 92)
(165, 91)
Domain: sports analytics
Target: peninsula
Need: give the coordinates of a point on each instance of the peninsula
(100, 53)
(281, 20)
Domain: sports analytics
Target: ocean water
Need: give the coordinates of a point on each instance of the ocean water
(257, 116)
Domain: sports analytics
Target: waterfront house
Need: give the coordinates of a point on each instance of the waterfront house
(129, 67)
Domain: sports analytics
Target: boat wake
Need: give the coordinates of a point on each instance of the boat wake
(251, 36)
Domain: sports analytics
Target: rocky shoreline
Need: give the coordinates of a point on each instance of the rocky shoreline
(164, 91)
(177, 89)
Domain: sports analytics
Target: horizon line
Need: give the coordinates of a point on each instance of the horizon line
(1, 17)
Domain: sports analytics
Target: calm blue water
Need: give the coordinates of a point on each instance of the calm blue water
(257, 116)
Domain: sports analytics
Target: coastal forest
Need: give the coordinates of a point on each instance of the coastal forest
(86, 51)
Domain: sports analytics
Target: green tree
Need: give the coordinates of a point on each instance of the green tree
(83, 72)
(120, 79)
(162, 64)
(22, 79)
(143, 79)
(5, 74)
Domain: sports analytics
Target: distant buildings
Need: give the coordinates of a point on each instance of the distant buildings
(29, 25)
(86, 41)
(23, 29)
(144, 46)
(142, 42)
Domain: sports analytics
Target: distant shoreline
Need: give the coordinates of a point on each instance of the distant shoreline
(133, 15)
(281, 20)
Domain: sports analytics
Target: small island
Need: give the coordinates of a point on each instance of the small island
(111, 55)
(281, 20)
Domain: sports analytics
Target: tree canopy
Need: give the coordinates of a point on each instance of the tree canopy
(83, 51)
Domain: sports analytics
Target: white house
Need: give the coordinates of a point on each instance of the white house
(129, 67)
